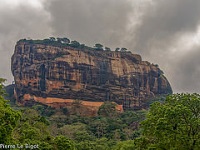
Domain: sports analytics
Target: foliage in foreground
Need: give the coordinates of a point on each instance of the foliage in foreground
(172, 124)
(175, 124)
(8, 118)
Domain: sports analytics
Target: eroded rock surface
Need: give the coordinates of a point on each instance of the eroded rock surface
(64, 72)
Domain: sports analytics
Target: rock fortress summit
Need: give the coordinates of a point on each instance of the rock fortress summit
(56, 72)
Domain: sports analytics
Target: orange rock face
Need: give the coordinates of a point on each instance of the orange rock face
(91, 108)
(67, 73)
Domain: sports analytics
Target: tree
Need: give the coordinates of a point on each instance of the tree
(8, 117)
(82, 46)
(77, 131)
(98, 144)
(65, 111)
(59, 40)
(98, 46)
(117, 49)
(99, 127)
(108, 109)
(107, 49)
(52, 38)
(75, 44)
(174, 124)
(63, 143)
(130, 117)
(125, 145)
(65, 40)
(47, 41)
(123, 49)
(32, 129)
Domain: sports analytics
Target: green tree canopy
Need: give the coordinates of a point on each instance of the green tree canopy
(98, 46)
(8, 118)
(125, 145)
(174, 124)
(63, 143)
(75, 44)
(107, 49)
(59, 40)
(123, 49)
(108, 109)
(117, 49)
(52, 38)
(65, 40)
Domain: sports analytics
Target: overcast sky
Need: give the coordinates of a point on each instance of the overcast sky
(162, 32)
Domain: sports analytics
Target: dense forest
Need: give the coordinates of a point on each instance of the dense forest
(173, 123)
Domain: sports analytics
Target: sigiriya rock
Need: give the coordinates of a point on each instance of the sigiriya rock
(64, 71)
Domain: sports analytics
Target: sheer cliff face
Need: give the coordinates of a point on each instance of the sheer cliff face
(68, 73)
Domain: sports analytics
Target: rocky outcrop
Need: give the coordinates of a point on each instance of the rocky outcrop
(43, 70)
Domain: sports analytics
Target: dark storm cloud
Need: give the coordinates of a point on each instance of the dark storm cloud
(162, 25)
(164, 22)
(16, 22)
(91, 21)
(187, 71)
(152, 28)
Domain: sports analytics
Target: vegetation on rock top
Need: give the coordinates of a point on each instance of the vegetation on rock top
(65, 42)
